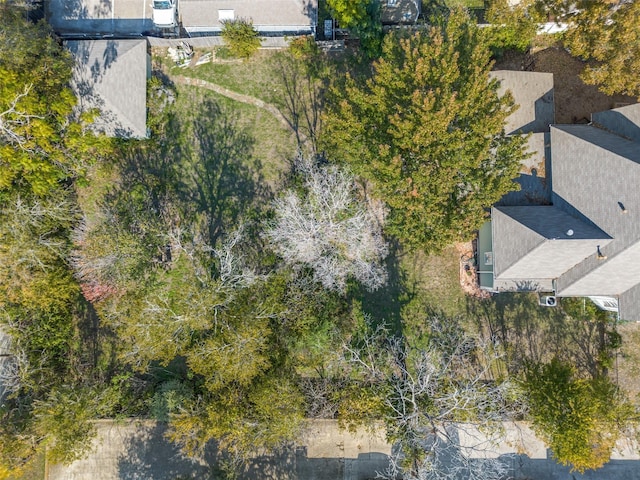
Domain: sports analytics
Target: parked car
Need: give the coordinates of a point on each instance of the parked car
(164, 13)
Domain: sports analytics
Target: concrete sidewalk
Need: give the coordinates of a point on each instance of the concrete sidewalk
(138, 450)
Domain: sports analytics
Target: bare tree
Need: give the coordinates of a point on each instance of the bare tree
(440, 405)
(330, 229)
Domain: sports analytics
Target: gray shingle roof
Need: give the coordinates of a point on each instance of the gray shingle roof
(267, 15)
(545, 241)
(625, 121)
(111, 75)
(533, 92)
(595, 174)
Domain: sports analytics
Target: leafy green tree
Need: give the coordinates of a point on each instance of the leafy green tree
(579, 418)
(427, 132)
(243, 420)
(363, 18)
(40, 144)
(605, 32)
(241, 38)
(512, 27)
(64, 419)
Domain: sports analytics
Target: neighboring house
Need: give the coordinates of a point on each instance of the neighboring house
(398, 12)
(196, 17)
(583, 240)
(269, 17)
(111, 76)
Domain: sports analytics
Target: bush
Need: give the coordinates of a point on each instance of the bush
(241, 38)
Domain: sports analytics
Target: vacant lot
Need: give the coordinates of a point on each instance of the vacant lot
(421, 285)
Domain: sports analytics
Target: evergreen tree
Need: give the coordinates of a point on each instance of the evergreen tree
(427, 131)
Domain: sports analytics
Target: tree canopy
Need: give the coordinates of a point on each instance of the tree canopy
(606, 33)
(580, 418)
(330, 229)
(241, 38)
(427, 132)
(40, 144)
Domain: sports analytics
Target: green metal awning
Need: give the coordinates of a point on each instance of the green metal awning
(485, 257)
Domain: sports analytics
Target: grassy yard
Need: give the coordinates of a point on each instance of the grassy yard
(35, 469)
(254, 76)
(273, 145)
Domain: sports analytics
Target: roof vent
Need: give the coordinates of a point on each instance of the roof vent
(570, 233)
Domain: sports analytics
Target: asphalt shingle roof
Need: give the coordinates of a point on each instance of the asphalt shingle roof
(111, 75)
(595, 174)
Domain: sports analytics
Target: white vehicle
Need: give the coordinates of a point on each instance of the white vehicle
(164, 13)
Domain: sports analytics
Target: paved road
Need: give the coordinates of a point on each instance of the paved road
(138, 450)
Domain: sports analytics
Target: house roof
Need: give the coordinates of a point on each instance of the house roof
(595, 174)
(549, 241)
(267, 15)
(625, 121)
(533, 92)
(111, 75)
(129, 17)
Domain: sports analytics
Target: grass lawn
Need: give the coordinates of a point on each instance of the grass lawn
(254, 76)
(273, 146)
(35, 469)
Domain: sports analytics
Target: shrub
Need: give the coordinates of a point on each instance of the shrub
(241, 38)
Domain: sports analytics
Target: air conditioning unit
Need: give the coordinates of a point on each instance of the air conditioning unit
(548, 301)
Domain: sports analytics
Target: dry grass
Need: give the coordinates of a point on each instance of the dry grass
(628, 361)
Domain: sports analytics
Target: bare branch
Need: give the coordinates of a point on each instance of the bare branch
(329, 229)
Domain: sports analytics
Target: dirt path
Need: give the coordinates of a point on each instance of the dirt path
(238, 97)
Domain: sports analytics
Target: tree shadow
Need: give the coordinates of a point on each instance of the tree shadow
(201, 177)
(146, 453)
(385, 305)
(304, 82)
(99, 341)
(534, 333)
(220, 178)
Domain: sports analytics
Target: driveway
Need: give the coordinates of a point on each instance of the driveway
(100, 17)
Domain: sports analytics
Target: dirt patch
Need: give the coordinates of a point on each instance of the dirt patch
(575, 101)
(468, 271)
